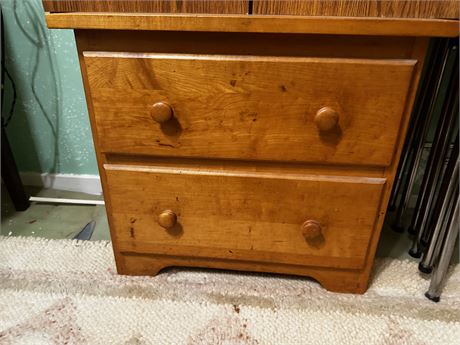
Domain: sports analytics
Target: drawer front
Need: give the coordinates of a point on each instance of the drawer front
(345, 111)
(303, 220)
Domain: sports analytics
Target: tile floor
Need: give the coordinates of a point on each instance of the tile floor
(65, 221)
(53, 220)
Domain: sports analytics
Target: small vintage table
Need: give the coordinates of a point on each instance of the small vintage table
(250, 135)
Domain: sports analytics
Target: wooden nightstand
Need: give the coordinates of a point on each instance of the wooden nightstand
(247, 142)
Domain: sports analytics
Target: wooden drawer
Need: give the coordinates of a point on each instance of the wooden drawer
(249, 107)
(244, 216)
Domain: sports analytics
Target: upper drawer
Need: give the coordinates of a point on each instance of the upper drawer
(249, 107)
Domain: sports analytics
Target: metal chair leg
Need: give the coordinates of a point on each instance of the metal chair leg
(417, 120)
(446, 193)
(434, 169)
(419, 143)
(434, 291)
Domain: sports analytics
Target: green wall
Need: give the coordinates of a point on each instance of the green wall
(49, 131)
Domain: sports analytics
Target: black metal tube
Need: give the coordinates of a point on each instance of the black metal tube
(435, 165)
(441, 209)
(429, 74)
(421, 133)
(10, 176)
(434, 291)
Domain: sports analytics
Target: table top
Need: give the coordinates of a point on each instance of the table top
(256, 24)
(445, 9)
(424, 18)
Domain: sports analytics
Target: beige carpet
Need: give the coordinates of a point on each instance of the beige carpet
(67, 292)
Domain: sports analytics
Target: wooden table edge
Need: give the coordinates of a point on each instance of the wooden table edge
(256, 24)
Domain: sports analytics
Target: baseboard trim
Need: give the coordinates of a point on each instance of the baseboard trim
(90, 184)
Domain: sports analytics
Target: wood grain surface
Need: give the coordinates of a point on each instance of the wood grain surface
(360, 8)
(211, 174)
(229, 43)
(148, 6)
(244, 216)
(345, 8)
(249, 107)
(332, 279)
(259, 23)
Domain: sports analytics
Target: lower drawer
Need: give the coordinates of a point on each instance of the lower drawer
(308, 220)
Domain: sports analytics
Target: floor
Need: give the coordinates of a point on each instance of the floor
(53, 220)
(196, 306)
(65, 221)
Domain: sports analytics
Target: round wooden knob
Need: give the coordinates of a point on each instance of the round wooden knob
(326, 119)
(161, 112)
(167, 219)
(311, 230)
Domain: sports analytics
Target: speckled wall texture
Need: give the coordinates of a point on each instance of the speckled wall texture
(49, 130)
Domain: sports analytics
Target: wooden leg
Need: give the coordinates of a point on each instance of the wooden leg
(343, 281)
(10, 176)
(141, 265)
